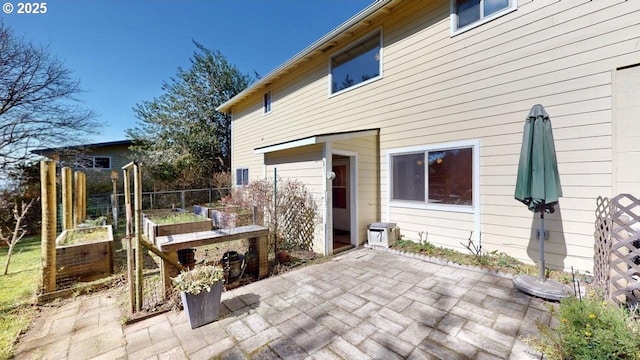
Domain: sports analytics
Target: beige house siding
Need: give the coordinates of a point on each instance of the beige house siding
(304, 164)
(245, 137)
(120, 156)
(478, 85)
(98, 180)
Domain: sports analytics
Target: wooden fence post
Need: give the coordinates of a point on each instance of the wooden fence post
(67, 198)
(127, 226)
(83, 196)
(48, 202)
(137, 185)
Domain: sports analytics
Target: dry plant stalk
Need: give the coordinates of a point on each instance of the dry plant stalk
(18, 230)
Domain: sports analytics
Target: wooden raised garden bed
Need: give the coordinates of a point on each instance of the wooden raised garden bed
(225, 217)
(84, 254)
(170, 222)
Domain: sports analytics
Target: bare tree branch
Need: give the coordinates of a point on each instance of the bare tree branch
(38, 107)
(18, 230)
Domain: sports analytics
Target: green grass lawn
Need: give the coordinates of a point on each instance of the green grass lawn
(17, 292)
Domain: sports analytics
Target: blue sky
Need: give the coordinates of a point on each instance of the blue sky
(123, 50)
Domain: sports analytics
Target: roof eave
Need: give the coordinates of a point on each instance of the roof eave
(82, 146)
(316, 139)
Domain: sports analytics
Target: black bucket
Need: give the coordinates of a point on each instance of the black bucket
(232, 263)
(187, 257)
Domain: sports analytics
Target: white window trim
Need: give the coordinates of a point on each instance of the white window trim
(235, 176)
(345, 48)
(264, 108)
(453, 17)
(425, 205)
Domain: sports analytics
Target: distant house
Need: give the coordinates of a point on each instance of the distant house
(96, 160)
(412, 112)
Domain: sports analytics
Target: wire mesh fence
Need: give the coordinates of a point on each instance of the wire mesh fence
(292, 223)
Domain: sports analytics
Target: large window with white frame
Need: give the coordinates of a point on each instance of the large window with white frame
(434, 176)
(357, 64)
(466, 14)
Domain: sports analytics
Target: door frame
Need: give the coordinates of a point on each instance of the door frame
(353, 196)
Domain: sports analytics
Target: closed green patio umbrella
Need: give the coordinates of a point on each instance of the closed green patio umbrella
(538, 182)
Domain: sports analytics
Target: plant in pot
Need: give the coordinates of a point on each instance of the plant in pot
(200, 289)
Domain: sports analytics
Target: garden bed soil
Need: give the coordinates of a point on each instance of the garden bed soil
(168, 222)
(85, 235)
(84, 254)
(225, 216)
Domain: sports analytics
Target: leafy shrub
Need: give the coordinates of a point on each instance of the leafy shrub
(177, 218)
(589, 329)
(85, 235)
(291, 213)
(199, 279)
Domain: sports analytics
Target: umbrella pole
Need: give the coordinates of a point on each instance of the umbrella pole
(541, 275)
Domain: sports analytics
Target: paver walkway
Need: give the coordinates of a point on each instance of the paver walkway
(364, 304)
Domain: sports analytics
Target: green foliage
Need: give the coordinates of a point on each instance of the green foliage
(180, 136)
(23, 185)
(589, 329)
(493, 260)
(17, 291)
(177, 218)
(291, 215)
(199, 279)
(79, 236)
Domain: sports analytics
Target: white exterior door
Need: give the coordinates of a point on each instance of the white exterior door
(341, 192)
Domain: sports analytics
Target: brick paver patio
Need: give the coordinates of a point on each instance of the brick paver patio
(364, 304)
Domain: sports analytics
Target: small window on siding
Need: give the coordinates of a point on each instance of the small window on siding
(242, 177)
(102, 162)
(93, 162)
(357, 64)
(267, 102)
(466, 14)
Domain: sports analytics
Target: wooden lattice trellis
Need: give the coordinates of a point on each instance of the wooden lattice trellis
(617, 257)
(298, 225)
(602, 246)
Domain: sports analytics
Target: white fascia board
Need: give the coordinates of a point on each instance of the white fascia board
(288, 145)
(317, 139)
(346, 136)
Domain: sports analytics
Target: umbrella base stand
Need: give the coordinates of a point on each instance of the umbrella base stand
(550, 289)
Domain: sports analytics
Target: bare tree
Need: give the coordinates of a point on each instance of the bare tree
(38, 107)
(17, 233)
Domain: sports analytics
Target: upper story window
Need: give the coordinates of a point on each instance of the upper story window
(267, 102)
(357, 64)
(93, 162)
(466, 14)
